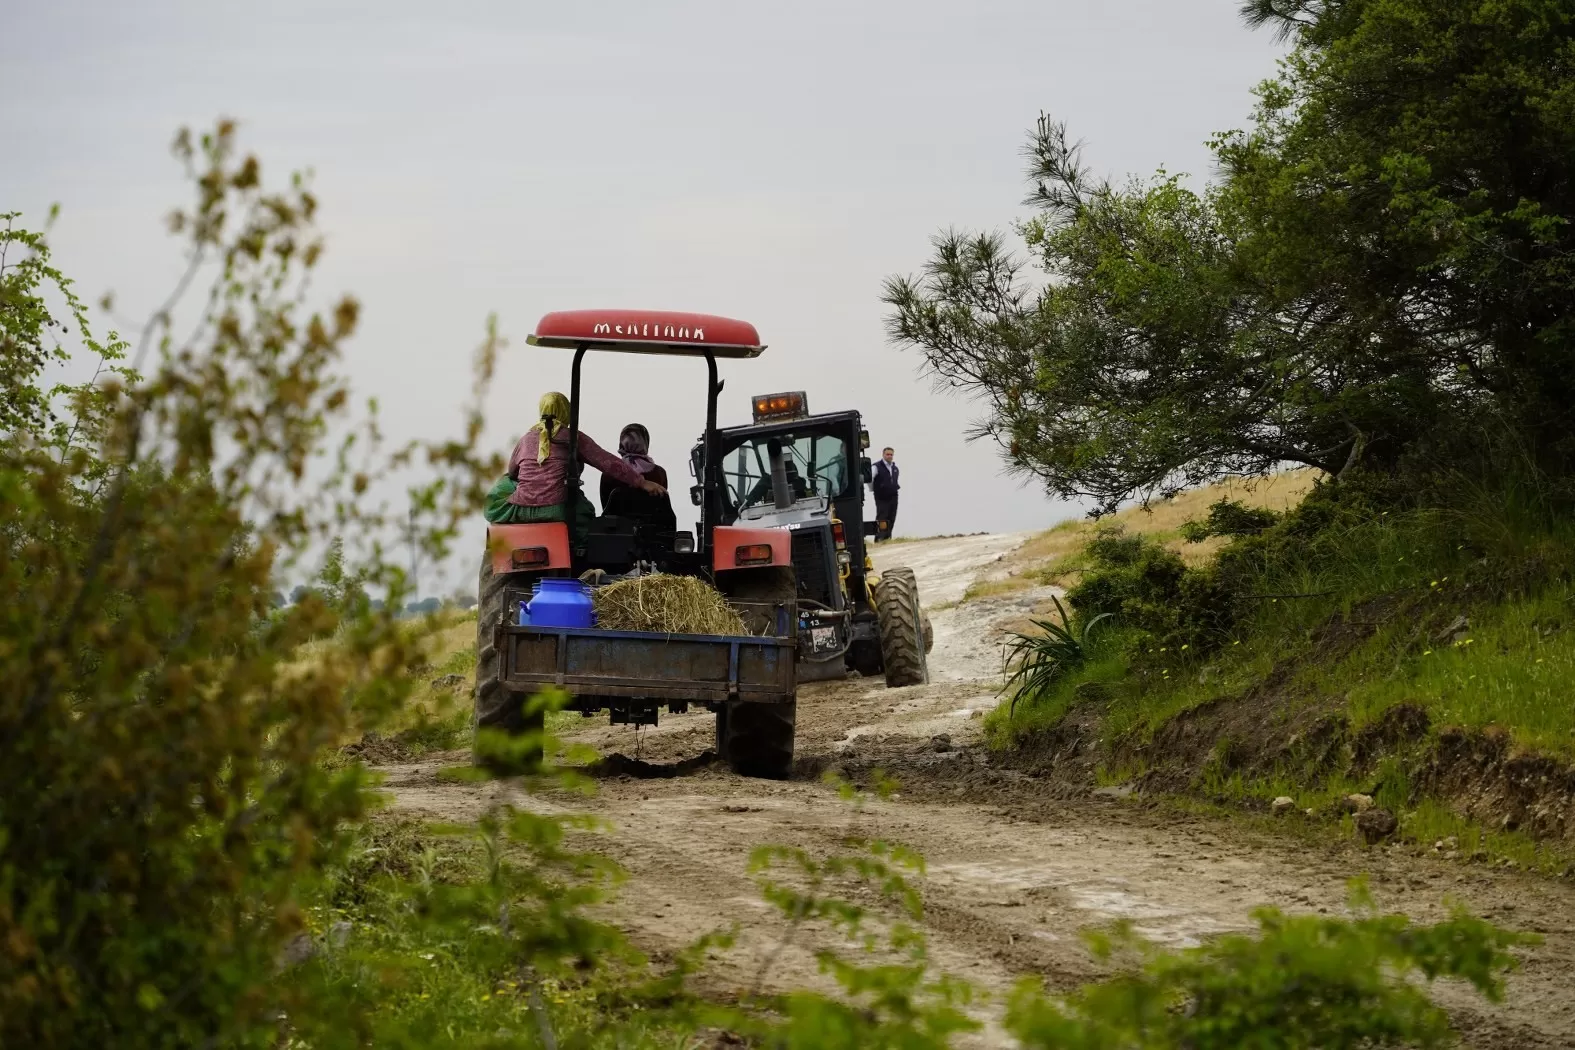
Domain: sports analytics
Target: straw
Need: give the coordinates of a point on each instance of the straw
(666, 604)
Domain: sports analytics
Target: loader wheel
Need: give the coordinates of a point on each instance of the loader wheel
(755, 739)
(901, 628)
(496, 707)
(864, 657)
(929, 629)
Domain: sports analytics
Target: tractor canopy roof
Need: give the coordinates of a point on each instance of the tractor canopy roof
(648, 332)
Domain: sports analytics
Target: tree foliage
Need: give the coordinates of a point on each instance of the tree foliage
(340, 586)
(33, 341)
(1228, 517)
(1384, 265)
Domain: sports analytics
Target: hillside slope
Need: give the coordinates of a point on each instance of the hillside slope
(1417, 659)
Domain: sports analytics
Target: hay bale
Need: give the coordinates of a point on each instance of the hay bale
(666, 604)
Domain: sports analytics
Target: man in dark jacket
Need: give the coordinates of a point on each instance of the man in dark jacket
(885, 485)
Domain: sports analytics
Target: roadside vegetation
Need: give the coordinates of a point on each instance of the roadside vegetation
(1375, 288)
(1356, 643)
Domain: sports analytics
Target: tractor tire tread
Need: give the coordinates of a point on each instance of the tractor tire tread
(756, 739)
(495, 706)
(902, 634)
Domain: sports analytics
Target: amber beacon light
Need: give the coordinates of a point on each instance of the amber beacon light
(791, 405)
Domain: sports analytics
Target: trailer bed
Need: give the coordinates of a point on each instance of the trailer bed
(638, 665)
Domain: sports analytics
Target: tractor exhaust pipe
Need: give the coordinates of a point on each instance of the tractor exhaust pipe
(781, 493)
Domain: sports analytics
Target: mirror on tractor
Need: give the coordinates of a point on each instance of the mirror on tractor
(864, 440)
(696, 493)
(683, 543)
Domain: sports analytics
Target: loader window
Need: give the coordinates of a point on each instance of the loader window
(817, 466)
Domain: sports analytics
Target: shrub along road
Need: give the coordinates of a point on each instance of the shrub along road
(1014, 869)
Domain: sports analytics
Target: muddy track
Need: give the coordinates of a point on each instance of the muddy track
(1013, 873)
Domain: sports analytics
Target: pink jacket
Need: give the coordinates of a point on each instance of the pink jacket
(541, 484)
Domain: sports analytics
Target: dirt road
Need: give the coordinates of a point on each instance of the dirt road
(1013, 874)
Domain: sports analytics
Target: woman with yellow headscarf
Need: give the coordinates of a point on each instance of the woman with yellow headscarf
(533, 489)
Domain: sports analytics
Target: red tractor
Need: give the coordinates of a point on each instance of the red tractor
(749, 681)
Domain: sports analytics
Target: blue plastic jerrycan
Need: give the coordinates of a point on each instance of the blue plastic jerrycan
(561, 603)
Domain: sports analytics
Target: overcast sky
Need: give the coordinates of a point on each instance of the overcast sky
(770, 162)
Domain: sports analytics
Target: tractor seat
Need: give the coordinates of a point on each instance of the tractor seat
(616, 541)
(639, 506)
(610, 541)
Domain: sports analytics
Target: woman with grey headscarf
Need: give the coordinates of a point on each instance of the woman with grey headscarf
(634, 445)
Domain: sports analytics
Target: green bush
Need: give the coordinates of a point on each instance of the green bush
(1336, 524)
(1150, 590)
(1302, 983)
(1126, 573)
(164, 805)
(426, 936)
(1037, 662)
(1229, 517)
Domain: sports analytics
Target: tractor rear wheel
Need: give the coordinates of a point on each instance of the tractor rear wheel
(902, 633)
(756, 739)
(497, 707)
(758, 590)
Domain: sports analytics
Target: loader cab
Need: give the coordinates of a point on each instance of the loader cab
(804, 474)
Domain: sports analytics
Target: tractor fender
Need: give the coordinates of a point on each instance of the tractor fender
(731, 548)
(528, 548)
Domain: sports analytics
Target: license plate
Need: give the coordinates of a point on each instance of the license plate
(822, 638)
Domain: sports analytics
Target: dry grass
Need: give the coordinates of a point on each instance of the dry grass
(461, 634)
(1042, 557)
(1277, 492)
(436, 637)
(666, 604)
(990, 588)
(937, 536)
(446, 647)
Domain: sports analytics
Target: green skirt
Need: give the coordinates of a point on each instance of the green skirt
(499, 511)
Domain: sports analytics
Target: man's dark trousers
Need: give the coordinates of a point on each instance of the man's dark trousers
(885, 486)
(886, 514)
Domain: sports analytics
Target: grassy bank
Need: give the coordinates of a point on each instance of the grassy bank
(1354, 645)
